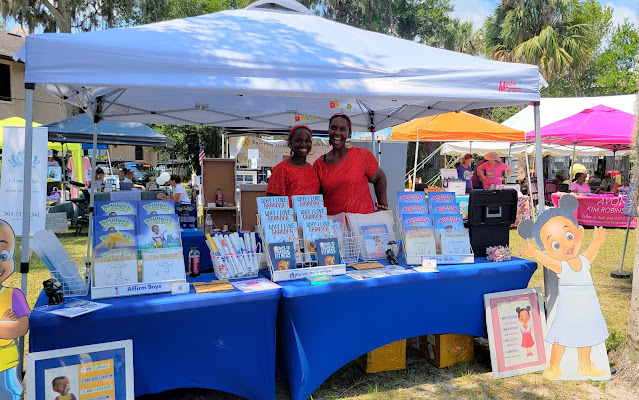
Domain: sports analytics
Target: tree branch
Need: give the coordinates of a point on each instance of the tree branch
(57, 15)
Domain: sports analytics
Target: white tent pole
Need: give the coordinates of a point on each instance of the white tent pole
(223, 145)
(530, 199)
(96, 120)
(572, 165)
(26, 201)
(109, 159)
(415, 164)
(539, 163)
(371, 128)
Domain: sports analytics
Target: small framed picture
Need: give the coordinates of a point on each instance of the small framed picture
(100, 371)
(516, 325)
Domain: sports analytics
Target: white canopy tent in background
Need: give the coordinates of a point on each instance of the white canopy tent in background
(272, 65)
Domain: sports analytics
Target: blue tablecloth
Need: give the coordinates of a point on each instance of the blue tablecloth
(223, 341)
(321, 328)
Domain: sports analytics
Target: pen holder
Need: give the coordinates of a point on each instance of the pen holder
(237, 265)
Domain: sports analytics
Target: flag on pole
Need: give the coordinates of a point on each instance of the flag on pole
(202, 154)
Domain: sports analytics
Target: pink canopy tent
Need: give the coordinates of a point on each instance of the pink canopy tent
(599, 126)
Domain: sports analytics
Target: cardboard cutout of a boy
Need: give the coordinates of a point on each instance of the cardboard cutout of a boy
(14, 322)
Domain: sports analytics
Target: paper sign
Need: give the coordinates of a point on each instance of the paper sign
(57, 222)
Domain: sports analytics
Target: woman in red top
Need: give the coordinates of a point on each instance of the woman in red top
(344, 173)
(294, 176)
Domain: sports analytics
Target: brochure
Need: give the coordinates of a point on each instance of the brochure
(159, 231)
(311, 214)
(307, 201)
(282, 255)
(271, 202)
(313, 230)
(255, 285)
(72, 308)
(376, 238)
(327, 252)
(155, 207)
(115, 223)
(411, 197)
(112, 208)
(277, 215)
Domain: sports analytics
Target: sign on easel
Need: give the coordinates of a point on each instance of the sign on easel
(57, 222)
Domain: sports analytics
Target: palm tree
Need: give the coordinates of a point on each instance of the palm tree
(554, 34)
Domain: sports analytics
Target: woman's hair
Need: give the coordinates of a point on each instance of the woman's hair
(297, 128)
(577, 176)
(519, 310)
(176, 178)
(99, 171)
(528, 229)
(342, 115)
(125, 170)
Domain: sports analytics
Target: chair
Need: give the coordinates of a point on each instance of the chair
(82, 207)
(550, 186)
(564, 187)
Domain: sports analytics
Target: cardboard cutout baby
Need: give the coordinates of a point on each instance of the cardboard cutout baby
(14, 322)
(578, 325)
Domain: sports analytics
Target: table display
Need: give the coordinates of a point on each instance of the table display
(223, 341)
(599, 210)
(371, 313)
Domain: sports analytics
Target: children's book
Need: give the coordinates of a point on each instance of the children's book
(445, 208)
(271, 202)
(112, 208)
(412, 208)
(455, 244)
(311, 214)
(155, 207)
(124, 253)
(412, 220)
(187, 214)
(307, 201)
(114, 223)
(448, 223)
(411, 197)
(327, 252)
(376, 238)
(115, 271)
(420, 241)
(282, 255)
(277, 215)
(440, 197)
(275, 232)
(313, 230)
(109, 240)
(159, 231)
(162, 265)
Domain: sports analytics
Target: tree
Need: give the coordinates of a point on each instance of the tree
(617, 65)
(556, 35)
(153, 11)
(187, 139)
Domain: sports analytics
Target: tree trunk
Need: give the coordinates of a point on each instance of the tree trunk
(632, 336)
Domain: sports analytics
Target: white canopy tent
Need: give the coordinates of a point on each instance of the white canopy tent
(271, 65)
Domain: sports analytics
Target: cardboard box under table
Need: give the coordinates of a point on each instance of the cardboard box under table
(386, 358)
(444, 350)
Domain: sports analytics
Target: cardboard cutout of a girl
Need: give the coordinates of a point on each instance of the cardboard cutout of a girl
(15, 319)
(578, 323)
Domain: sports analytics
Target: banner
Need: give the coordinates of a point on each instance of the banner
(11, 184)
(600, 210)
(269, 150)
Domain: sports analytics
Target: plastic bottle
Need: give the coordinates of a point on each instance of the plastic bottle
(194, 262)
(218, 198)
(208, 225)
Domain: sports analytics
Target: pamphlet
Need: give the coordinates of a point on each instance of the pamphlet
(113, 208)
(159, 231)
(72, 308)
(282, 255)
(307, 201)
(327, 252)
(376, 238)
(255, 285)
(271, 202)
(162, 265)
(155, 207)
(114, 223)
(277, 215)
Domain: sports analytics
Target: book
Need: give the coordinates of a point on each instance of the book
(155, 207)
(162, 265)
(113, 239)
(313, 230)
(417, 220)
(440, 197)
(328, 252)
(422, 244)
(124, 253)
(445, 208)
(255, 285)
(114, 223)
(72, 308)
(449, 223)
(159, 231)
(115, 271)
(277, 215)
(282, 255)
(112, 208)
(412, 208)
(271, 202)
(375, 239)
(455, 244)
(187, 215)
(411, 197)
(310, 214)
(281, 232)
(307, 201)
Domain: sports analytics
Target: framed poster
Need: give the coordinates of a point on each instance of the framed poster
(516, 325)
(103, 371)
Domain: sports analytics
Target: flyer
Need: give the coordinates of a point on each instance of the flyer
(255, 285)
(72, 308)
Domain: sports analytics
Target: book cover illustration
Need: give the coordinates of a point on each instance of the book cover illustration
(124, 253)
(282, 255)
(114, 239)
(376, 238)
(455, 244)
(54, 174)
(187, 215)
(311, 214)
(271, 202)
(445, 208)
(277, 215)
(113, 208)
(114, 223)
(435, 198)
(411, 197)
(412, 208)
(313, 230)
(413, 220)
(449, 223)
(115, 271)
(281, 232)
(162, 265)
(420, 241)
(328, 252)
(159, 231)
(307, 201)
(155, 207)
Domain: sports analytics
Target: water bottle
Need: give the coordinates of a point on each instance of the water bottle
(208, 225)
(218, 198)
(194, 262)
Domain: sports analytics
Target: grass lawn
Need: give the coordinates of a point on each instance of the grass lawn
(473, 380)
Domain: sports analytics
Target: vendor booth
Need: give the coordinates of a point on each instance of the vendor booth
(314, 69)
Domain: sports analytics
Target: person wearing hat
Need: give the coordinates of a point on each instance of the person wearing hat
(464, 170)
(51, 162)
(493, 171)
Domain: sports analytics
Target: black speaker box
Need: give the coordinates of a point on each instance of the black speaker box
(490, 214)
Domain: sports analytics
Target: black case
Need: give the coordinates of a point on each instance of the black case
(490, 214)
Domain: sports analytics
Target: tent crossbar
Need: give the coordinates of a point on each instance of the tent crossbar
(109, 103)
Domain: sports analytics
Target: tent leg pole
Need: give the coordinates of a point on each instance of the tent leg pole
(109, 159)
(533, 216)
(26, 203)
(96, 120)
(572, 165)
(539, 163)
(415, 164)
(620, 273)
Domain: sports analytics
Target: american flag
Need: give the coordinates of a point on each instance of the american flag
(202, 154)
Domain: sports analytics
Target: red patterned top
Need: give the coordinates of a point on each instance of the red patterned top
(290, 180)
(345, 184)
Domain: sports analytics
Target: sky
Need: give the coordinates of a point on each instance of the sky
(477, 10)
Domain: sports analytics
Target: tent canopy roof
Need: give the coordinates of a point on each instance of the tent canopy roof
(517, 149)
(601, 126)
(17, 121)
(272, 65)
(455, 127)
(79, 129)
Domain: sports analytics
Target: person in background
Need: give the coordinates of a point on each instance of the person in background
(99, 179)
(464, 170)
(579, 184)
(606, 184)
(179, 193)
(344, 173)
(493, 171)
(560, 176)
(128, 177)
(50, 161)
(595, 180)
(475, 182)
(294, 176)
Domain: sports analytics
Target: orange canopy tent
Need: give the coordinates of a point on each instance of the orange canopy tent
(455, 126)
